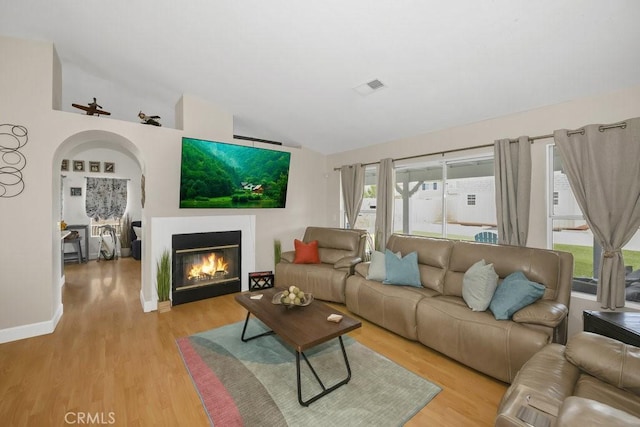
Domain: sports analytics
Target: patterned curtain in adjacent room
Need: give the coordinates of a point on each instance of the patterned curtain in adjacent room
(602, 166)
(352, 180)
(106, 198)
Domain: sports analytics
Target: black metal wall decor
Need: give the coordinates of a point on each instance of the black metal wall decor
(12, 161)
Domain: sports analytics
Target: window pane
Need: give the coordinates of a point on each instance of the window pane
(564, 203)
(96, 226)
(631, 254)
(574, 236)
(470, 199)
(367, 216)
(418, 200)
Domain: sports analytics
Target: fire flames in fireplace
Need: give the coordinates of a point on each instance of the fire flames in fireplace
(211, 267)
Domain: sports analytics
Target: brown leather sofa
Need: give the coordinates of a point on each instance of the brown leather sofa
(437, 316)
(593, 381)
(339, 249)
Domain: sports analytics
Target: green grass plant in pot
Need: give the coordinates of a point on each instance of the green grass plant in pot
(277, 252)
(125, 236)
(163, 281)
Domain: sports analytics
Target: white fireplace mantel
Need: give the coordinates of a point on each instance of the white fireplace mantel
(163, 228)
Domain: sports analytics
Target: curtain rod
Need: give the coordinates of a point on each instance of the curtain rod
(531, 139)
(105, 177)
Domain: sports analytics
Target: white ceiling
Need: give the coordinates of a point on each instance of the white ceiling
(286, 69)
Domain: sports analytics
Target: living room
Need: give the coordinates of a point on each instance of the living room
(31, 84)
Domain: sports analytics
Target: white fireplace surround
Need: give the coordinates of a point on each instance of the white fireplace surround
(163, 228)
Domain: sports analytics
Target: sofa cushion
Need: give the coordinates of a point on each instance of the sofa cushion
(539, 265)
(476, 338)
(392, 307)
(609, 360)
(578, 412)
(322, 280)
(306, 253)
(592, 388)
(515, 292)
(433, 257)
(478, 285)
(401, 271)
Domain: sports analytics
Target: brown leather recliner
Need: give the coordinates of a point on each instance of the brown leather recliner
(593, 381)
(339, 250)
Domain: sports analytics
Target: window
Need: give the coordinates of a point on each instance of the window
(458, 204)
(569, 232)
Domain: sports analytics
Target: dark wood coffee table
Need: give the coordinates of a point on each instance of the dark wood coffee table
(300, 327)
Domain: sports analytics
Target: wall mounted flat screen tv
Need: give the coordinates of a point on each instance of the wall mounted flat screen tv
(216, 175)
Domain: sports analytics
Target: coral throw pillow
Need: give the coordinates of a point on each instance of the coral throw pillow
(306, 253)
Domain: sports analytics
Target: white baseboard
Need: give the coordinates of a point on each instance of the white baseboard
(147, 306)
(32, 330)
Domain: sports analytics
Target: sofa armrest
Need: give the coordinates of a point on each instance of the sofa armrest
(348, 263)
(543, 312)
(546, 313)
(607, 359)
(362, 269)
(579, 412)
(288, 256)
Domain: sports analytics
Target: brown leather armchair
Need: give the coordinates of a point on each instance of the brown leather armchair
(339, 249)
(593, 381)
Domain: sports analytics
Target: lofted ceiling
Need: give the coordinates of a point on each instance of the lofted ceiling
(287, 69)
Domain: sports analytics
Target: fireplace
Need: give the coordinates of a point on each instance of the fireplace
(205, 265)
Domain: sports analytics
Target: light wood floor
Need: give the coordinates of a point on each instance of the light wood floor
(107, 357)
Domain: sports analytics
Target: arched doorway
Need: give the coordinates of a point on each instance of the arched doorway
(93, 153)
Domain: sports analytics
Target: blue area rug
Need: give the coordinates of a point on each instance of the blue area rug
(254, 383)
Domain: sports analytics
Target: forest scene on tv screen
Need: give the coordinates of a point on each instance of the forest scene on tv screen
(220, 175)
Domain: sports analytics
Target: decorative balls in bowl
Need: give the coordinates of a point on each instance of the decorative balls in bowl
(293, 297)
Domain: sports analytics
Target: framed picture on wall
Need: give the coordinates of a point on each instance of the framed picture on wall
(78, 165)
(94, 166)
(109, 167)
(76, 191)
(64, 166)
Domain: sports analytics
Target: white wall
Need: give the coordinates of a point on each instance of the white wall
(30, 298)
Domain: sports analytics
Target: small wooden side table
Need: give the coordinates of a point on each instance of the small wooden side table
(623, 326)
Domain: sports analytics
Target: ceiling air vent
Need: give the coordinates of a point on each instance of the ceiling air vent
(369, 87)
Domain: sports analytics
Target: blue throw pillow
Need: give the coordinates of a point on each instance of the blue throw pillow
(515, 292)
(402, 271)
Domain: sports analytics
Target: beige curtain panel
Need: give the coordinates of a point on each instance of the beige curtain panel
(513, 189)
(602, 163)
(384, 201)
(352, 181)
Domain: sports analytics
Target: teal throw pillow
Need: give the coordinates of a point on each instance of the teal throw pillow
(515, 292)
(478, 285)
(402, 271)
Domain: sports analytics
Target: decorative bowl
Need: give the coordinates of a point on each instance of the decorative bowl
(308, 299)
